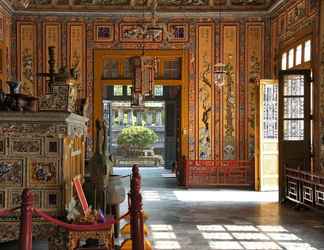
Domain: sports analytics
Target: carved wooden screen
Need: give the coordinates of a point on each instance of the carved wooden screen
(294, 122)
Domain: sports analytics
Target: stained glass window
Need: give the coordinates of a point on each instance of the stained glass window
(291, 55)
(270, 111)
(307, 51)
(158, 90)
(284, 61)
(294, 107)
(299, 50)
(118, 90)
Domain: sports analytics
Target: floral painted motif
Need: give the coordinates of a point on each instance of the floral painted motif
(43, 172)
(11, 172)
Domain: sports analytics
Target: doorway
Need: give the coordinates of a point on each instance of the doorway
(112, 68)
(154, 127)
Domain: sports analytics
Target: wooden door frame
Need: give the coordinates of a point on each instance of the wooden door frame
(101, 54)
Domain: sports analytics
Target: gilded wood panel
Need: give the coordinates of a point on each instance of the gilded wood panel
(27, 58)
(230, 43)
(205, 90)
(254, 71)
(5, 49)
(76, 52)
(52, 38)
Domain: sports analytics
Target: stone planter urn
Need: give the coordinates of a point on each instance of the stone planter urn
(116, 193)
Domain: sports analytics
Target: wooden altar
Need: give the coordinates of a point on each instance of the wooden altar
(42, 151)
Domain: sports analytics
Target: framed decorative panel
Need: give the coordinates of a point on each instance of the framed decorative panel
(230, 43)
(104, 32)
(297, 13)
(52, 146)
(15, 198)
(43, 172)
(127, 34)
(11, 172)
(282, 24)
(1, 61)
(52, 38)
(76, 52)
(1, 27)
(52, 199)
(26, 53)
(25, 146)
(2, 146)
(205, 37)
(178, 32)
(2, 199)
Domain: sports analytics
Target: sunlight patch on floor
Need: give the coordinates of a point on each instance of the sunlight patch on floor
(249, 237)
(164, 237)
(225, 196)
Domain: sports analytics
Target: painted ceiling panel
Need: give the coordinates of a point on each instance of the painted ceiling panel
(238, 5)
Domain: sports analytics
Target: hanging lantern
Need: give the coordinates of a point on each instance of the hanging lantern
(219, 74)
(144, 68)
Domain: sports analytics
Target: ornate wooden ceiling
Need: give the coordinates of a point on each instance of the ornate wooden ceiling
(178, 5)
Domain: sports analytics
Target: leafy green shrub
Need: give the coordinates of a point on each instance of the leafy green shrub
(136, 138)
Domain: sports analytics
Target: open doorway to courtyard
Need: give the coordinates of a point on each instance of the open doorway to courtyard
(148, 135)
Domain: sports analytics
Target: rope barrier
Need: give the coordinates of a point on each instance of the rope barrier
(122, 217)
(7, 212)
(75, 227)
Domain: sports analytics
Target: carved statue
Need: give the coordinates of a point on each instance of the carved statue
(98, 166)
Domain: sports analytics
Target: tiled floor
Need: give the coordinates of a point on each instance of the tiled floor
(201, 219)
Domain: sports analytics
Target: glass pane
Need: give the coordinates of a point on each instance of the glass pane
(270, 116)
(294, 130)
(129, 90)
(172, 69)
(284, 61)
(293, 85)
(291, 58)
(110, 69)
(158, 90)
(118, 90)
(128, 73)
(293, 107)
(307, 51)
(299, 54)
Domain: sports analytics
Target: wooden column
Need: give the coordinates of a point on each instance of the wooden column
(26, 221)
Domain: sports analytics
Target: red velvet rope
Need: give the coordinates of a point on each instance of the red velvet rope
(122, 217)
(75, 227)
(7, 212)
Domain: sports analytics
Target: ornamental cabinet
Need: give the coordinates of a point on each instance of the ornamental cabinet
(42, 151)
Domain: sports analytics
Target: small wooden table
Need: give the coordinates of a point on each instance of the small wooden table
(105, 236)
